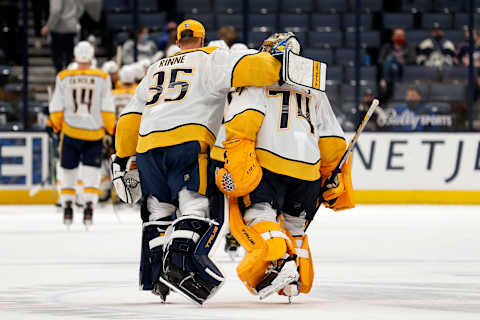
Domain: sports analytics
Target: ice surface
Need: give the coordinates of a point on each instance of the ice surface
(373, 262)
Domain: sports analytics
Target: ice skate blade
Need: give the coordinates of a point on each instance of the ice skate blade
(268, 291)
(181, 292)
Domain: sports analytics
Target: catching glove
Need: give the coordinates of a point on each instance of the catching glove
(242, 172)
(125, 179)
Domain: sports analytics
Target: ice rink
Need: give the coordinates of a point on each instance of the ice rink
(373, 262)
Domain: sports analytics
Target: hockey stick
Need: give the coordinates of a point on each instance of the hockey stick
(353, 142)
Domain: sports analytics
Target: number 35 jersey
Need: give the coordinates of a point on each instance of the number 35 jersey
(181, 98)
(288, 125)
(82, 105)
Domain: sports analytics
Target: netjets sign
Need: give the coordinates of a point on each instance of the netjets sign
(417, 161)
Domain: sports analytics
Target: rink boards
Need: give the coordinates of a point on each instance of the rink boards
(433, 168)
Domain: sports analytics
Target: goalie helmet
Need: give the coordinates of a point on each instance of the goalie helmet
(84, 52)
(278, 42)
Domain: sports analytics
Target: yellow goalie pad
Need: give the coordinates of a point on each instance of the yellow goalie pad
(264, 242)
(305, 265)
(242, 172)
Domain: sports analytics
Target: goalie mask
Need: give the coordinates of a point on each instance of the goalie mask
(278, 42)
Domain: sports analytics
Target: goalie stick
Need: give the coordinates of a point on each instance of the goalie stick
(353, 142)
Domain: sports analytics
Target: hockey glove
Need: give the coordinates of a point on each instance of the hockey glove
(332, 188)
(125, 179)
(242, 172)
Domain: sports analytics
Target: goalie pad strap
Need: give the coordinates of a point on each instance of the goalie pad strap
(158, 241)
(302, 253)
(185, 234)
(274, 234)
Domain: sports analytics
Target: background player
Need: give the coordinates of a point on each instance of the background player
(179, 103)
(82, 110)
(280, 141)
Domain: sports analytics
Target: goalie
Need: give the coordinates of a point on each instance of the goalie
(281, 143)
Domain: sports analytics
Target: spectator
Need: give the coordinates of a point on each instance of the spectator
(227, 39)
(462, 57)
(413, 115)
(40, 14)
(172, 47)
(146, 48)
(365, 103)
(62, 25)
(165, 38)
(392, 57)
(436, 51)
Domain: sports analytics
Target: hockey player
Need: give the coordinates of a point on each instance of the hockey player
(124, 94)
(281, 143)
(170, 124)
(82, 110)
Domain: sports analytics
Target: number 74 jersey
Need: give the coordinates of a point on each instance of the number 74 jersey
(294, 126)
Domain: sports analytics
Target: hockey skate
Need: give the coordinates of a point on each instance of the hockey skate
(68, 214)
(231, 246)
(88, 214)
(188, 284)
(279, 274)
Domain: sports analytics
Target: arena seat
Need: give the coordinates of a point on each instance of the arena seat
(325, 39)
(115, 5)
(153, 20)
(392, 20)
(368, 39)
(325, 22)
(263, 6)
(335, 74)
(346, 56)
(296, 6)
(119, 21)
(323, 55)
(262, 22)
(349, 22)
(417, 5)
(331, 6)
(228, 6)
(420, 73)
(368, 73)
(457, 73)
(445, 20)
(207, 19)
(235, 20)
(447, 92)
(293, 22)
(194, 6)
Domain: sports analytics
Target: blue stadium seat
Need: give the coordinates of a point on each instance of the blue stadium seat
(457, 73)
(255, 38)
(262, 22)
(296, 6)
(332, 92)
(207, 19)
(302, 37)
(293, 22)
(325, 22)
(335, 74)
(372, 5)
(263, 6)
(420, 73)
(193, 6)
(228, 6)
(417, 5)
(331, 6)
(152, 20)
(447, 92)
(349, 22)
(414, 37)
(448, 6)
(456, 36)
(325, 39)
(119, 21)
(235, 20)
(115, 5)
(392, 20)
(366, 73)
(346, 56)
(120, 38)
(148, 5)
(445, 20)
(368, 39)
(323, 55)
(461, 19)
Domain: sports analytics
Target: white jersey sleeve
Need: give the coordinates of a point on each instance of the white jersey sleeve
(57, 102)
(108, 102)
(327, 124)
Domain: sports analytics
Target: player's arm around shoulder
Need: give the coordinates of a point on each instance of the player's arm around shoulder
(337, 189)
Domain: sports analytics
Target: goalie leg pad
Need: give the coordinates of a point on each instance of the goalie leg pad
(305, 264)
(186, 264)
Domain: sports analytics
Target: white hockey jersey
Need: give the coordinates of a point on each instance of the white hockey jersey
(82, 105)
(293, 122)
(181, 97)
